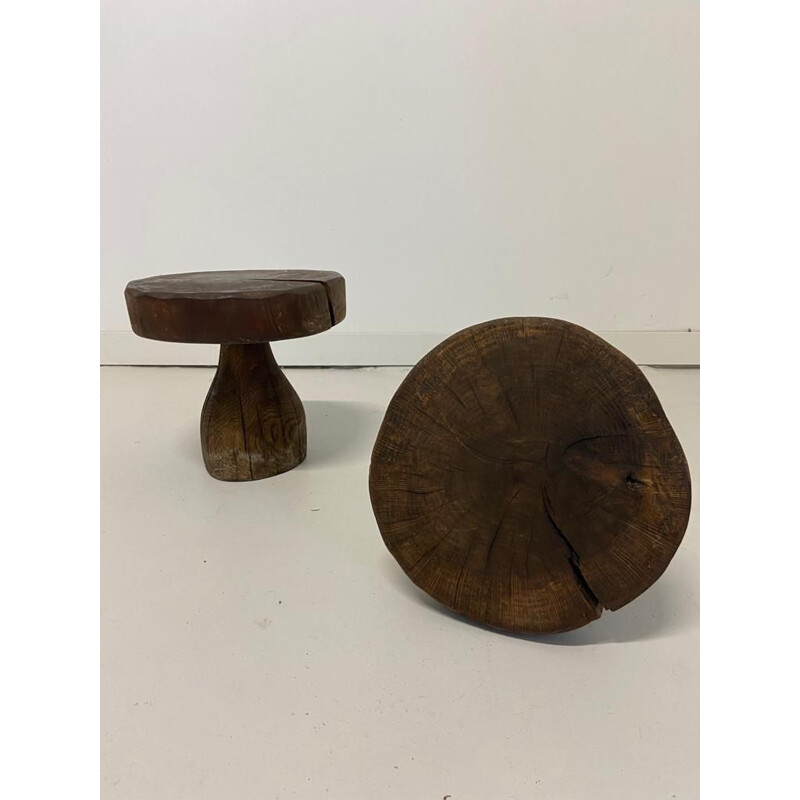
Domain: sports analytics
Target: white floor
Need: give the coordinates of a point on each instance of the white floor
(260, 642)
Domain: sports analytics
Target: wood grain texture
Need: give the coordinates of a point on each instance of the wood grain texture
(526, 476)
(253, 424)
(236, 306)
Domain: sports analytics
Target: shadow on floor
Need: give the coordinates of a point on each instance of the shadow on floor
(340, 431)
(658, 613)
(187, 442)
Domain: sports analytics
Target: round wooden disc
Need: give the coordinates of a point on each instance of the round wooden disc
(236, 306)
(525, 475)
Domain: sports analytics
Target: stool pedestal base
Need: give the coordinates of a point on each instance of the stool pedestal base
(253, 425)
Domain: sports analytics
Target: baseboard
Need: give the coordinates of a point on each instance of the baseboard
(333, 349)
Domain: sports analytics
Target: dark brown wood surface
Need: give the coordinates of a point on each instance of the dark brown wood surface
(236, 306)
(253, 424)
(526, 476)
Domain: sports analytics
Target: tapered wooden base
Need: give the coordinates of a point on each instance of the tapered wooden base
(253, 424)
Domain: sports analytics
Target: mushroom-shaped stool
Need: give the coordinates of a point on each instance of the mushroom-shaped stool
(253, 424)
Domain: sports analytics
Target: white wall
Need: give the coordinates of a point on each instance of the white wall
(456, 161)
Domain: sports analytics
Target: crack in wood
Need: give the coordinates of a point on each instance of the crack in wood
(500, 524)
(573, 558)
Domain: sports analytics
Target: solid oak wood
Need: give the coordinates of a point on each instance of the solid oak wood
(526, 476)
(253, 424)
(236, 306)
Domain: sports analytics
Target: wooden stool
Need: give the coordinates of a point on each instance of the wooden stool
(525, 475)
(253, 424)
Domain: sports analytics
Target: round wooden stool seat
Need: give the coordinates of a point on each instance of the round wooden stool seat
(525, 476)
(253, 424)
